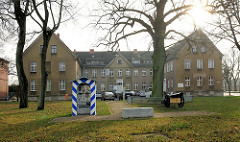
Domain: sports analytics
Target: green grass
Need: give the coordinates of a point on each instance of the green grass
(31, 125)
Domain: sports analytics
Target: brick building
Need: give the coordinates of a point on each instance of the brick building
(3, 79)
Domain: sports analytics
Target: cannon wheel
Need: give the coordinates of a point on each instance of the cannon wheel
(167, 101)
(181, 104)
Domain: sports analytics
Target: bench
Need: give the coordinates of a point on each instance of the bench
(137, 112)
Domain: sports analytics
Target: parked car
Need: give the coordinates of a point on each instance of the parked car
(108, 96)
(142, 94)
(130, 93)
(98, 95)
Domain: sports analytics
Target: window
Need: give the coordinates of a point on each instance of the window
(172, 83)
(94, 73)
(171, 66)
(135, 61)
(48, 85)
(62, 66)
(151, 72)
(62, 85)
(119, 61)
(168, 84)
(136, 72)
(135, 86)
(119, 72)
(111, 87)
(111, 72)
(33, 85)
(168, 67)
(203, 49)
(33, 67)
(187, 81)
(103, 73)
(210, 63)
(143, 85)
(102, 87)
(144, 72)
(187, 64)
(86, 73)
(164, 68)
(210, 81)
(128, 72)
(194, 49)
(199, 64)
(128, 87)
(54, 49)
(41, 48)
(199, 81)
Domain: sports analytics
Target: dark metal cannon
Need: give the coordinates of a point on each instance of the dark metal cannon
(176, 98)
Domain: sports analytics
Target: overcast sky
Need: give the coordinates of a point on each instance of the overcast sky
(81, 36)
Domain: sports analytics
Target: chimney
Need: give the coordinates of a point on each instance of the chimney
(74, 51)
(91, 51)
(135, 51)
(58, 35)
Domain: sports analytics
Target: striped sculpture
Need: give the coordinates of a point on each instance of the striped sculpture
(75, 84)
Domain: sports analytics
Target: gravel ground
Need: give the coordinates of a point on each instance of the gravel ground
(116, 114)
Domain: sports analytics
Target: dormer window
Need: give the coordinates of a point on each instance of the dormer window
(203, 49)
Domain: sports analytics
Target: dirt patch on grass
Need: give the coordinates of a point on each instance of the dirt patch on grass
(116, 113)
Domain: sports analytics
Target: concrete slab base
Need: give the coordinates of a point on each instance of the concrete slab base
(137, 112)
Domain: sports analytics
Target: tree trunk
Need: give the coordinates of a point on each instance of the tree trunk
(22, 79)
(159, 58)
(235, 84)
(46, 38)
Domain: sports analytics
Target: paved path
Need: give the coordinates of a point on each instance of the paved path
(116, 114)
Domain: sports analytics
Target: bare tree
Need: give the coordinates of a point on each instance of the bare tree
(118, 17)
(227, 76)
(45, 20)
(228, 20)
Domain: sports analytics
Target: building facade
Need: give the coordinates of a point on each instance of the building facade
(114, 71)
(194, 67)
(61, 64)
(3, 79)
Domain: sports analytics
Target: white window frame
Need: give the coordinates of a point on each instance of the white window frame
(144, 85)
(203, 49)
(103, 73)
(144, 72)
(62, 66)
(135, 86)
(168, 84)
(211, 63)
(33, 67)
(33, 85)
(54, 49)
(136, 72)
(194, 49)
(128, 86)
(128, 72)
(187, 64)
(48, 88)
(111, 86)
(171, 66)
(151, 72)
(111, 73)
(172, 83)
(94, 73)
(86, 73)
(187, 81)
(210, 80)
(199, 64)
(62, 85)
(119, 72)
(199, 81)
(103, 87)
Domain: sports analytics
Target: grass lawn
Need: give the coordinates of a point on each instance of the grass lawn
(31, 125)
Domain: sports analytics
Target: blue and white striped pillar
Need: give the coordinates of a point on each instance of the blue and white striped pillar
(75, 84)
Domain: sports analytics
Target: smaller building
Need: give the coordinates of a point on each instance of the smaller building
(3, 79)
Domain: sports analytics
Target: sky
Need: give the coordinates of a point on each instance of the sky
(79, 35)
